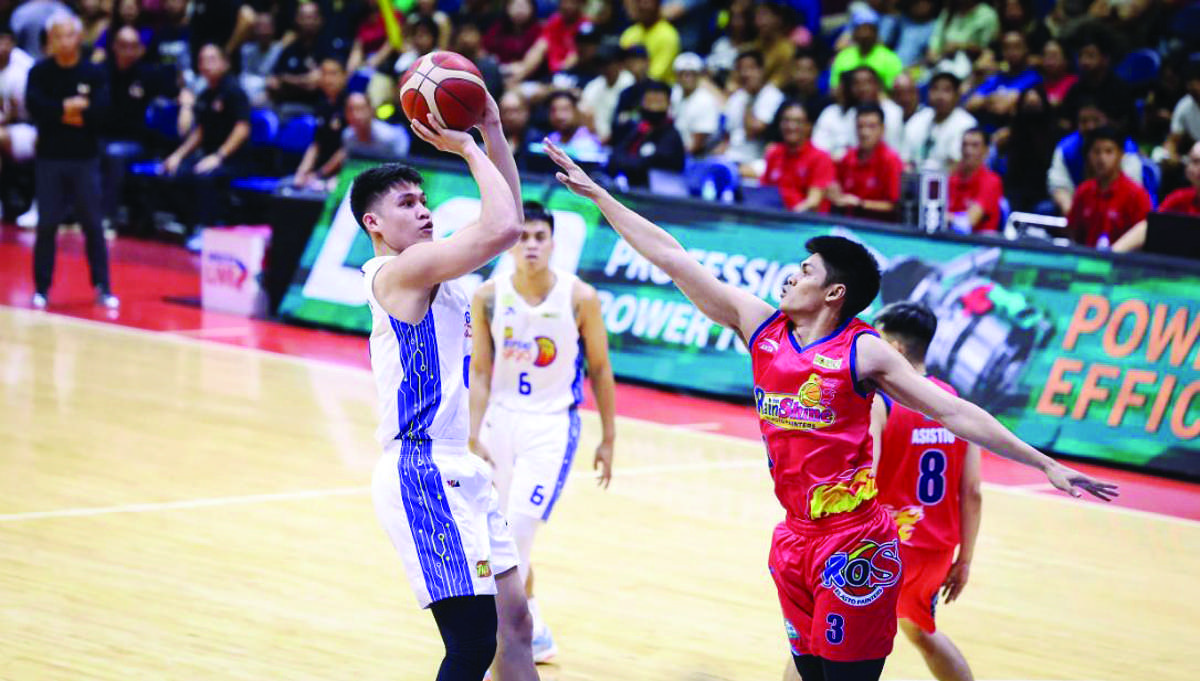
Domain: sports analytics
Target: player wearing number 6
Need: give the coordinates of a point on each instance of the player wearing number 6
(533, 329)
(816, 369)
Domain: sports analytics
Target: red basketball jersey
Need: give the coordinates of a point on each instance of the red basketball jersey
(920, 470)
(815, 423)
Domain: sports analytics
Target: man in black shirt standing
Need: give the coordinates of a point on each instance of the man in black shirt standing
(67, 98)
(214, 149)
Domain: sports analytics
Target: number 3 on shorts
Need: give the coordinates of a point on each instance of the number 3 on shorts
(835, 633)
(537, 497)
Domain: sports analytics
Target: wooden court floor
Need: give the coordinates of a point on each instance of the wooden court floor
(171, 509)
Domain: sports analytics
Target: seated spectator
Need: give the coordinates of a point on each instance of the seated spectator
(566, 129)
(215, 149)
(737, 38)
(586, 65)
(916, 28)
(802, 172)
(906, 96)
(259, 55)
(134, 83)
(773, 22)
(866, 50)
(694, 107)
(600, 96)
(554, 49)
(965, 26)
(468, 41)
(836, 130)
(650, 143)
(1095, 56)
(1185, 119)
(514, 119)
(1110, 204)
(1068, 164)
(659, 37)
(749, 111)
(428, 9)
(637, 62)
(933, 136)
(974, 191)
(323, 159)
(994, 102)
(1185, 201)
(511, 36)
(888, 22)
(297, 74)
(420, 38)
(125, 13)
(173, 40)
(18, 136)
(1056, 74)
(372, 49)
(1028, 152)
(869, 175)
(803, 86)
(366, 136)
(95, 16)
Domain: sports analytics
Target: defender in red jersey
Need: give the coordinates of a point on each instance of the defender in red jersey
(835, 557)
(929, 481)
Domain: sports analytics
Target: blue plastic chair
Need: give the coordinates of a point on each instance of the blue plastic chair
(264, 127)
(359, 80)
(162, 117)
(718, 178)
(295, 135)
(263, 185)
(1139, 67)
(1151, 179)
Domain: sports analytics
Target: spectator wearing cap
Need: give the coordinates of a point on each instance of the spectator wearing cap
(803, 86)
(749, 111)
(650, 143)
(694, 107)
(866, 50)
(600, 96)
(1108, 205)
(555, 47)
(659, 37)
(802, 172)
(933, 136)
(995, 100)
(836, 130)
(974, 191)
(774, 22)
(366, 136)
(566, 129)
(1068, 164)
(869, 175)
(1185, 201)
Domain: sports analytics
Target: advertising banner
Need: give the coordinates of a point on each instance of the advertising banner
(1077, 353)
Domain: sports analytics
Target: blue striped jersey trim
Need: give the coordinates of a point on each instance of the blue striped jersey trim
(577, 384)
(568, 457)
(420, 391)
(444, 564)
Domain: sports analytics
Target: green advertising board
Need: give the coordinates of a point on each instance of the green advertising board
(1077, 353)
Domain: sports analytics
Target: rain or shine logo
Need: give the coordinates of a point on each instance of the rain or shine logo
(808, 409)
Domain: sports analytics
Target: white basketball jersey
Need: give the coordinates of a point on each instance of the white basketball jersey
(421, 369)
(539, 362)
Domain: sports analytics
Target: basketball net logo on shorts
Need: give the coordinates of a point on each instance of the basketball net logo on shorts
(807, 410)
(859, 577)
(541, 352)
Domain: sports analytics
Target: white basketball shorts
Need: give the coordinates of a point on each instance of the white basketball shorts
(532, 455)
(437, 504)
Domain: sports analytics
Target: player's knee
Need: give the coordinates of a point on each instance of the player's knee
(916, 635)
(472, 654)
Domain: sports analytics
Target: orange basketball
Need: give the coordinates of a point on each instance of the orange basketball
(445, 85)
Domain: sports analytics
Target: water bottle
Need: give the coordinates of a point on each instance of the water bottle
(708, 190)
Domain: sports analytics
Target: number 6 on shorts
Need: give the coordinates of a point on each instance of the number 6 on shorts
(537, 497)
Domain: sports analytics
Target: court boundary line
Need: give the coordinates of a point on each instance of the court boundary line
(175, 337)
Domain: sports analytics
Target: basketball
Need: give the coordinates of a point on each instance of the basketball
(446, 85)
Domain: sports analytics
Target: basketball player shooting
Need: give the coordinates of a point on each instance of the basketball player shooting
(533, 329)
(834, 558)
(434, 499)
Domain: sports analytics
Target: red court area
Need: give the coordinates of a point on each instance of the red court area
(159, 287)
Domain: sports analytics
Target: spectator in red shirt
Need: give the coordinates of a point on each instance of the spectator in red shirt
(802, 172)
(975, 191)
(1110, 204)
(1186, 201)
(869, 175)
(555, 47)
(511, 37)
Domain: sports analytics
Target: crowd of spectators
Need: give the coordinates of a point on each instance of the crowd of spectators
(1086, 109)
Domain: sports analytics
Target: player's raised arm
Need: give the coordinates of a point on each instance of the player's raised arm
(483, 352)
(882, 365)
(595, 343)
(429, 263)
(498, 150)
(724, 304)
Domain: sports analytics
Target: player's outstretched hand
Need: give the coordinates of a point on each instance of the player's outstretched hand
(572, 176)
(956, 579)
(603, 461)
(1072, 481)
(443, 138)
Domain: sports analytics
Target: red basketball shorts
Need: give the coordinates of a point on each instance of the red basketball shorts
(924, 572)
(838, 581)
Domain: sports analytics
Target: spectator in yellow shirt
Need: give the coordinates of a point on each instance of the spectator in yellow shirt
(658, 36)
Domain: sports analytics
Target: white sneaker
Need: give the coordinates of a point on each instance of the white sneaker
(28, 219)
(543, 646)
(39, 301)
(107, 299)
